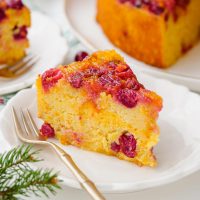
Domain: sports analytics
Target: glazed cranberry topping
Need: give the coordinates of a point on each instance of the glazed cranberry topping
(80, 56)
(127, 145)
(50, 78)
(127, 97)
(76, 80)
(115, 78)
(2, 14)
(182, 3)
(20, 33)
(108, 80)
(15, 4)
(47, 131)
(132, 84)
(158, 7)
(92, 71)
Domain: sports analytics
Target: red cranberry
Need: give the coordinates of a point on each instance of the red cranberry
(92, 71)
(146, 2)
(170, 4)
(115, 147)
(182, 3)
(50, 78)
(156, 9)
(133, 84)
(138, 3)
(127, 97)
(2, 14)
(15, 4)
(108, 80)
(111, 65)
(125, 74)
(80, 56)
(47, 131)
(2, 101)
(128, 144)
(185, 48)
(20, 32)
(76, 80)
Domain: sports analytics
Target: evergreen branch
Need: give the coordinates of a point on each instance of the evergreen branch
(17, 157)
(18, 179)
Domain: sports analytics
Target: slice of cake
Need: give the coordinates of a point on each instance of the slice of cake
(98, 104)
(156, 32)
(14, 21)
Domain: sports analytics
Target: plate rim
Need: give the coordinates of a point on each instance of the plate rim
(116, 187)
(30, 81)
(153, 71)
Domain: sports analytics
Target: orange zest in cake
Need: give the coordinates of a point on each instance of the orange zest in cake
(99, 105)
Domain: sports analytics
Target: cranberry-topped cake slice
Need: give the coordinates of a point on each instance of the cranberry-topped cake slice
(14, 22)
(98, 104)
(157, 32)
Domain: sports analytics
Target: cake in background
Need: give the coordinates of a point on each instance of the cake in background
(14, 21)
(156, 32)
(98, 104)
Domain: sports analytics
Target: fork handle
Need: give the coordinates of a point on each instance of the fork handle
(84, 181)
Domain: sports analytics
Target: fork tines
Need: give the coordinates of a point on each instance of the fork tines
(19, 68)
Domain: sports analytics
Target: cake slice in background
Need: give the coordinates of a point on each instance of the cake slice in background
(14, 21)
(156, 32)
(98, 104)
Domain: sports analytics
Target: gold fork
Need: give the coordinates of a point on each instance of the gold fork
(19, 68)
(30, 134)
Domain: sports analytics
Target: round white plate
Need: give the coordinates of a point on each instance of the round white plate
(81, 16)
(46, 42)
(177, 152)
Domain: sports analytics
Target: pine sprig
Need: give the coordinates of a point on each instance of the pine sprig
(18, 179)
(17, 157)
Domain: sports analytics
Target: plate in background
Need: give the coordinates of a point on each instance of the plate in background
(46, 42)
(81, 16)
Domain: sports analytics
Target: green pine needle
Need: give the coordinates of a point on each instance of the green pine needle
(18, 179)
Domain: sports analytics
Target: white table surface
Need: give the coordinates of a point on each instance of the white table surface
(185, 189)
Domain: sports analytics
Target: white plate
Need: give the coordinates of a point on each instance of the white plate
(177, 152)
(82, 18)
(46, 42)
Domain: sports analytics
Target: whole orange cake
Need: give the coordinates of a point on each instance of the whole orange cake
(156, 32)
(98, 104)
(14, 21)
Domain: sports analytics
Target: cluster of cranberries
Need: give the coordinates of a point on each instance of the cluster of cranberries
(151, 5)
(126, 145)
(115, 78)
(20, 32)
(155, 6)
(14, 4)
